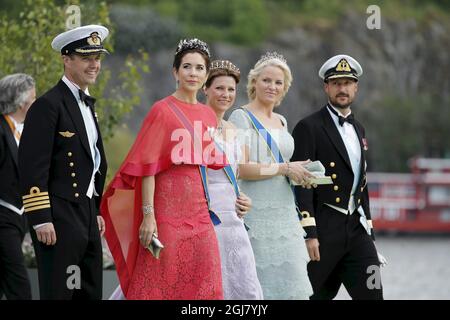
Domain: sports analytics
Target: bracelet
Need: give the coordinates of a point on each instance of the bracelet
(288, 170)
(147, 209)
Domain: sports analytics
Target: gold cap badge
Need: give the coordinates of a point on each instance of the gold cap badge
(94, 39)
(343, 66)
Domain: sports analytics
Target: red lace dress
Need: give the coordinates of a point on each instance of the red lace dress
(189, 265)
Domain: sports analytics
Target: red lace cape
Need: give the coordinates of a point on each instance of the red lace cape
(158, 146)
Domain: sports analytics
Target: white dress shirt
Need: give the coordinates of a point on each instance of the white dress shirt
(353, 147)
(91, 131)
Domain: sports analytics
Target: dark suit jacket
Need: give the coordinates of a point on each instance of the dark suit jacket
(54, 155)
(317, 138)
(9, 175)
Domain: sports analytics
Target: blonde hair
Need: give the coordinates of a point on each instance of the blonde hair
(259, 67)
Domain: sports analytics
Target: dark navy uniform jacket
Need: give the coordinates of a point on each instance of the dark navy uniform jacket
(9, 175)
(54, 155)
(317, 138)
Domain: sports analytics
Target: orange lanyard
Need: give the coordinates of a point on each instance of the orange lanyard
(12, 126)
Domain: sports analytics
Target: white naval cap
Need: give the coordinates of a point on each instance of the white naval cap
(82, 40)
(340, 66)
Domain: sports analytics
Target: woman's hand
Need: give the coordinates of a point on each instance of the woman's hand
(148, 227)
(243, 205)
(299, 174)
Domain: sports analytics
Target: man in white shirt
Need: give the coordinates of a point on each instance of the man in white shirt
(17, 93)
(336, 217)
(63, 169)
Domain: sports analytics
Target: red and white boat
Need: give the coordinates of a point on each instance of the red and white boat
(414, 202)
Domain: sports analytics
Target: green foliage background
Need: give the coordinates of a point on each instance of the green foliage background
(27, 36)
(249, 22)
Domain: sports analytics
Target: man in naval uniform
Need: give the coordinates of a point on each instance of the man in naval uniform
(336, 217)
(62, 169)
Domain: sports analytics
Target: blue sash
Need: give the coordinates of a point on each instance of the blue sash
(273, 147)
(187, 124)
(232, 177)
(214, 218)
(229, 172)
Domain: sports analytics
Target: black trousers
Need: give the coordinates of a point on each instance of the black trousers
(14, 282)
(72, 268)
(347, 256)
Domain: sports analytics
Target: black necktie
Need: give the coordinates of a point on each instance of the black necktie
(88, 100)
(350, 118)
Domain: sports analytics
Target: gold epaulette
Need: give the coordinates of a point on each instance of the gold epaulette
(36, 200)
(307, 220)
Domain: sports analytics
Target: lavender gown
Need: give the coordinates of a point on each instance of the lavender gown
(239, 277)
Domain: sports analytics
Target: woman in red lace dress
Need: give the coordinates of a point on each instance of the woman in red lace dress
(158, 189)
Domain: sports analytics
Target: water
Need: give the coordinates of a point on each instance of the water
(418, 268)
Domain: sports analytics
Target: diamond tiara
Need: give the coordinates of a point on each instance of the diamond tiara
(270, 56)
(224, 64)
(187, 44)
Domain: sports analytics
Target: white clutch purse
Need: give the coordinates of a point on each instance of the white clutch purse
(318, 170)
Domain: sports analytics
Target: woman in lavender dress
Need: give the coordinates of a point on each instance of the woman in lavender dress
(239, 278)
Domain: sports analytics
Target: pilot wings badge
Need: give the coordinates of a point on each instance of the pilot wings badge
(67, 134)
